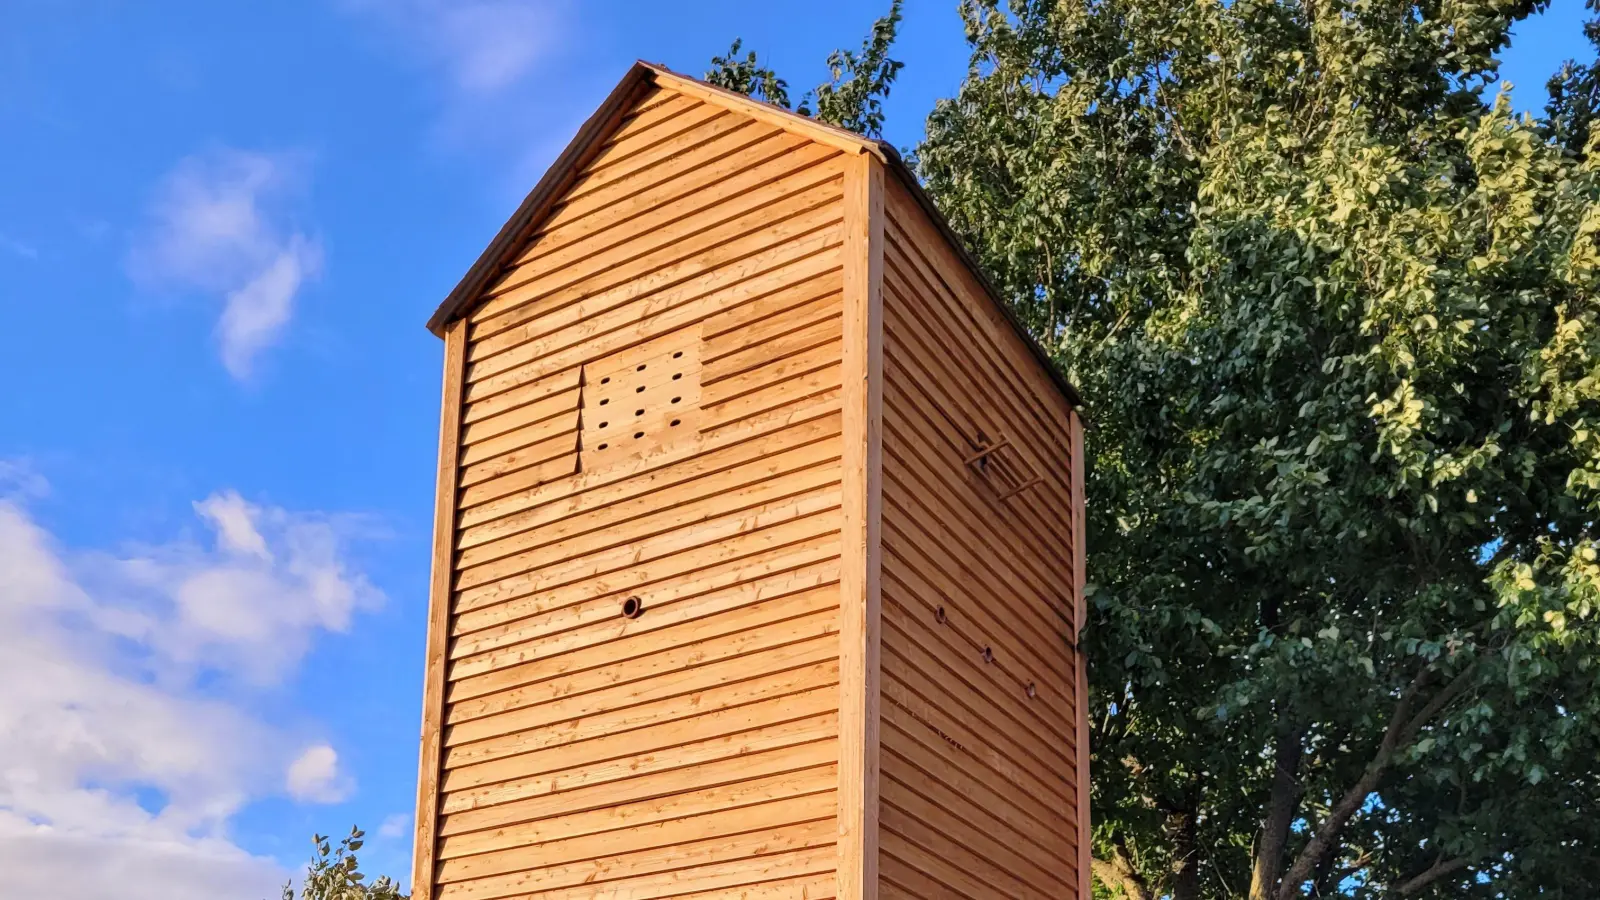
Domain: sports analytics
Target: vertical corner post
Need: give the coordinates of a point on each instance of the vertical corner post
(859, 581)
(1080, 615)
(431, 762)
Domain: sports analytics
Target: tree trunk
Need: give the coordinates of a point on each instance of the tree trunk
(1182, 828)
(1281, 807)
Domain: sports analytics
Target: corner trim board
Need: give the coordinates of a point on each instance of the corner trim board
(431, 758)
(860, 608)
(1080, 616)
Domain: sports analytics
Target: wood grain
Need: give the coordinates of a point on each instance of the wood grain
(694, 747)
(981, 709)
(731, 371)
(860, 610)
(439, 598)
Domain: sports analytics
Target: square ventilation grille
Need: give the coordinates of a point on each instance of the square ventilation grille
(640, 399)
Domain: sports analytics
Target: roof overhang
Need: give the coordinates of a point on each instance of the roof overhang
(591, 138)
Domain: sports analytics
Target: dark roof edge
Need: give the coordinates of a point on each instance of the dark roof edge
(566, 166)
(538, 200)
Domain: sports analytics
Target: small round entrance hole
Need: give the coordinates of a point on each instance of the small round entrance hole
(632, 608)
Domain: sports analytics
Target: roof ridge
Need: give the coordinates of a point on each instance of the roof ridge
(586, 143)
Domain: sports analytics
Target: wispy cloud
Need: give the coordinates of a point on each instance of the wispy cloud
(315, 776)
(18, 247)
(127, 737)
(504, 91)
(397, 825)
(19, 480)
(221, 223)
(484, 45)
(249, 606)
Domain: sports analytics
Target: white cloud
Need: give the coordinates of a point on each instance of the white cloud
(19, 479)
(235, 521)
(127, 741)
(398, 825)
(255, 314)
(503, 96)
(42, 862)
(484, 45)
(314, 776)
(397, 832)
(217, 225)
(247, 608)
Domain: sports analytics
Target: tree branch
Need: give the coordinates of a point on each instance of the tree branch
(1118, 872)
(1403, 728)
(1281, 807)
(1359, 865)
(1440, 700)
(1433, 873)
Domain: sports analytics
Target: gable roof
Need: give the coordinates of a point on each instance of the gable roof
(591, 138)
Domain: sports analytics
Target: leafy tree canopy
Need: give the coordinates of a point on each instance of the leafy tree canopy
(334, 874)
(1334, 308)
(850, 98)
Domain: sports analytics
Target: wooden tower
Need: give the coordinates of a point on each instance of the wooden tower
(758, 559)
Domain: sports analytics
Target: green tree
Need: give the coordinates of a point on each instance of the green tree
(850, 98)
(746, 75)
(1334, 310)
(1575, 94)
(334, 874)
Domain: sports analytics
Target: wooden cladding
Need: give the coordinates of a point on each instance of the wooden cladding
(980, 709)
(723, 605)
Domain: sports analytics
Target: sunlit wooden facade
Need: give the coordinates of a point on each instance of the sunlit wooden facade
(758, 554)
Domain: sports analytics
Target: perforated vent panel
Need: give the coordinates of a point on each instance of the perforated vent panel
(641, 399)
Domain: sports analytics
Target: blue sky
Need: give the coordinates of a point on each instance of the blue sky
(221, 228)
